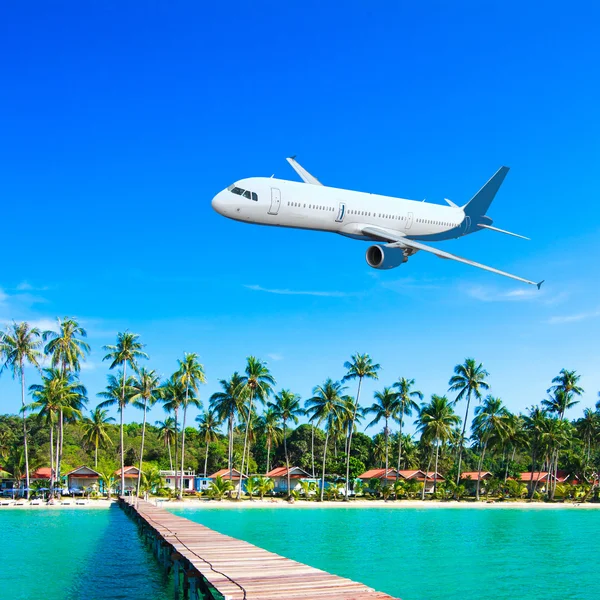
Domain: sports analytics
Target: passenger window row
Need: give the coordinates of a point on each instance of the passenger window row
(430, 222)
(311, 206)
(245, 193)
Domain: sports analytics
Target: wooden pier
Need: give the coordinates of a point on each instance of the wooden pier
(209, 565)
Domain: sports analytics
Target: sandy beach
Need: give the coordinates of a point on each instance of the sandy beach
(24, 505)
(401, 504)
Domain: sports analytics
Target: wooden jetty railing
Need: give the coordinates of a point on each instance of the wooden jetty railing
(207, 564)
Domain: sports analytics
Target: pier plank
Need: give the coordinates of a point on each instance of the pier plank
(241, 571)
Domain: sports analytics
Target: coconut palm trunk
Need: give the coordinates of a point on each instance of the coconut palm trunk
(170, 455)
(176, 413)
(435, 471)
(323, 472)
(268, 455)
(239, 495)
(51, 458)
(462, 437)
(346, 498)
(183, 443)
(25, 449)
(121, 434)
(139, 479)
(399, 449)
(386, 450)
(426, 475)
(206, 460)
(312, 448)
(287, 462)
(483, 449)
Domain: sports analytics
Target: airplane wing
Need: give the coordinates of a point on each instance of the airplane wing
(399, 241)
(304, 174)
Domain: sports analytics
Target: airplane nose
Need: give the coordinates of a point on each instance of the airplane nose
(218, 203)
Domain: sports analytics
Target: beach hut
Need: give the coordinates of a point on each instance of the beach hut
(469, 480)
(81, 478)
(131, 477)
(232, 475)
(539, 480)
(279, 476)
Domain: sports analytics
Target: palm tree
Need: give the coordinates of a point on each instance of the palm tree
(257, 383)
(287, 408)
(406, 405)
(125, 352)
(67, 350)
(534, 424)
(59, 393)
(251, 487)
(167, 433)
(325, 405)
(358, 367)
(227, 404)
(491, 421)
(564, 389)
(270, 428)
(173, 395)
(118, 392)
(219, 487)
(190, 374)
(108, 481)
(19, 345)
(385, 407)
(95, 431)
(145, 391)
(264, 485)
(435, 424)
(514, 439)
(208, 425)
(468, 380)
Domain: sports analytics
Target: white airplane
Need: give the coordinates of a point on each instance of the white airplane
(400, 226)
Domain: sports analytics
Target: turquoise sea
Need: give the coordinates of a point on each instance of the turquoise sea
(76, 554)
(445, 554)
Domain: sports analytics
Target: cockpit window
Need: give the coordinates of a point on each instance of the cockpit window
(245, 193)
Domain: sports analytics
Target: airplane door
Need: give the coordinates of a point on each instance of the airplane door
(341, 212)
(409, 221)
(275, 201)
(466, 225)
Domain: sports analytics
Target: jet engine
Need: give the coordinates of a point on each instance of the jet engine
(382, 257)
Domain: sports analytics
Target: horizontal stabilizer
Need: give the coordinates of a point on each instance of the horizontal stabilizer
(503, 231)
(304, 174)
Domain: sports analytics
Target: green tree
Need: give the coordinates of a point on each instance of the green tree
(118, 392)
(190, 375)
(220, 487)
(325, 406)
(95, 431)
(360, 366)
(228, 404)
(208, 426)
(270, 427)
(173, 395)
(19, 346)
(167, 433)
(435, 424)
(490, 423)
(407, 403)
(264, 485)
(127, 351)
(468, 380)
(287, 408)
(385, 407)
(256, 384)
(145, 391)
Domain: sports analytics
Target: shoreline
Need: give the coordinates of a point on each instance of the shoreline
(377, 504)
(94, 504)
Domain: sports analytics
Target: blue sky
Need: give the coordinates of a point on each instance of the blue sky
(121, 121)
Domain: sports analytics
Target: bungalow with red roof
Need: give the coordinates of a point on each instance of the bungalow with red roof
(131, 477)
(540, 479)
(403, 474)
(279, 477)
(81, 478)
(469, 479)
(232, 475)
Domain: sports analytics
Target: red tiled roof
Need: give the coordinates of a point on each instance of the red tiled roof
(474, 475)
(378, 474)
(93, 473)
(127, 472)
(534, 476)
(225, 474)
(41, 473)
(282, 472)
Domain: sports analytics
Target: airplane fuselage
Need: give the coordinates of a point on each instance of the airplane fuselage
(270, 201)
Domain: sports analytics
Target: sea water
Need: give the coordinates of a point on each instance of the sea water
(76, 554)
(441, 553)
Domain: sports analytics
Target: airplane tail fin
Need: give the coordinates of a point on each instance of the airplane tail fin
(479, 204)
